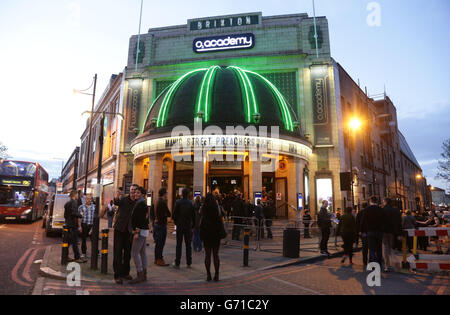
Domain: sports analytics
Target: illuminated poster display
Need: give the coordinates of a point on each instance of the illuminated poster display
(197, 194)
(306, 185)
(324, 187)
(300, 202)
(257, 195)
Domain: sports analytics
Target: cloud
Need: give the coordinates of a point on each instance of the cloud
(423, 111)
(428, 162)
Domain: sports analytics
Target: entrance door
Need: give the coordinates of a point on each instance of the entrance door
(281, 197)
(225, 184)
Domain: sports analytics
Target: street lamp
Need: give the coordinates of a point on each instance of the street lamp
(354, 125)
(90, 128)
(417, 193)
(96, 225)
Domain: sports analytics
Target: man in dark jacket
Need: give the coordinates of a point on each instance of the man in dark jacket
(72, 216)
(392, 229)
(269, 212)
(184, 218)
(362, 232)
(238, 210)
(306, 219)
(373, 219)
(160, 226)
(324, 222)
(259, 216)
(123, 236)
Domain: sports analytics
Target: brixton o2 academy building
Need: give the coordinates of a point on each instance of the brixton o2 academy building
(240, 102)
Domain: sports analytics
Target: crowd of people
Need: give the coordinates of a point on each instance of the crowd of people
(380, 227)
(199, 224)
(243, 212)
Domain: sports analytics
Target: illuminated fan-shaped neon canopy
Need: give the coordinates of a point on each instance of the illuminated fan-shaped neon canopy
(220, 96)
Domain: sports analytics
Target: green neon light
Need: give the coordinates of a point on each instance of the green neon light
(287, 118)
(151, 107)
(208, 90)
(243, 83)
(203, 97)
(255, 105)
(167, 99)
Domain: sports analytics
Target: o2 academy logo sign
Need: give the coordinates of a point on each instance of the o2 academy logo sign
(224, 42)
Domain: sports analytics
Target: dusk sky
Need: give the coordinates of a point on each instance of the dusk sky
(50, 47)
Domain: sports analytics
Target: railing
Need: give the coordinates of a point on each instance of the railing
(267, 234)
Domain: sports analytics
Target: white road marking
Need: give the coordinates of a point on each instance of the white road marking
(297, 286)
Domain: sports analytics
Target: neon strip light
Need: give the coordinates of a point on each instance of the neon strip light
(164, 107)
(206, 103)
(255, 105)
(246, 98)
(285, 110)
(151, 107)
(248, 87)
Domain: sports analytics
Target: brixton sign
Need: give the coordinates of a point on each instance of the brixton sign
(195, 25)
(224, 42)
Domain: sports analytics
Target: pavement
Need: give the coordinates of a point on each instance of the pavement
(263, 255)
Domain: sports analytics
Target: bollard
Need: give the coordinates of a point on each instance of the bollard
(94, 243)
(246, 245)
(104, 268)
(65, 246)
(415, 247)
(405, 264)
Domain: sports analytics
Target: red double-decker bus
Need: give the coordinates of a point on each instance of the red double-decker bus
(23, 190)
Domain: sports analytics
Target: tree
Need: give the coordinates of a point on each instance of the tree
(3, 152)
(444, 163)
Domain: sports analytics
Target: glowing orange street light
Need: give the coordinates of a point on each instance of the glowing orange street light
(419, 176)
(355, 123)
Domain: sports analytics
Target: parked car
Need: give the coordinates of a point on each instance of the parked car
(54, 217)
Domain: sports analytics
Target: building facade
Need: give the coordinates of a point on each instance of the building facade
(273, 81)
(208, 54)
(107, 122)
(440, 197)
(69, 172)
(381, 160)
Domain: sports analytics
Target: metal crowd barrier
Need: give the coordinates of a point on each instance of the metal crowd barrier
(261, 230)
(439, 232)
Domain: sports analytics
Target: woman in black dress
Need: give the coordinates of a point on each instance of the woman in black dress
(209, 234)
